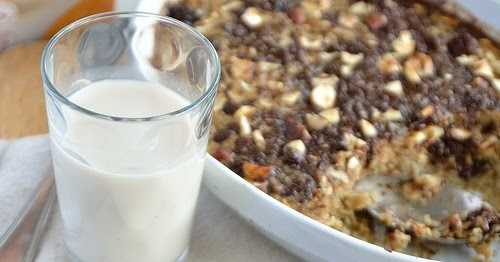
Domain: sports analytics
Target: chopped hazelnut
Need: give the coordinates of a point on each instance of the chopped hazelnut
(265, 66)
(392, 115)
(259, 140)
(418, 138)
(348, 20)
(289, 99)
(349, 62)
(483, 68)
(327, 56)
(252, 17)
(361, 8)
(467, 60)
(480, 67)
(229, 6)
(295, 149)
(404, 45)
(433, 132)
(332, 115)
(275, 85)
(351, 59)
(323, 94)
(367, 128)
(417, 67)
(388, 65)
(460, 134)
(353, 163)
(244, 124)
(316, 122)
(264, 102)
(346, 70)
(394, 88)
(496, 84)
(427, 111)
(244, 110)
(310, 43)
(353, 142)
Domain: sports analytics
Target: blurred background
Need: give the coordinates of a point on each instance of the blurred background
(25, 27)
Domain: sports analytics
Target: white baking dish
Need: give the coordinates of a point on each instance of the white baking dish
(302, 235)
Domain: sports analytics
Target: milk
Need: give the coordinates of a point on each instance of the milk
(127, 190)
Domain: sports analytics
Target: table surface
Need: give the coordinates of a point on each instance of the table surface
(22, 108)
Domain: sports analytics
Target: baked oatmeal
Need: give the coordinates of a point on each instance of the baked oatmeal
(317, 95)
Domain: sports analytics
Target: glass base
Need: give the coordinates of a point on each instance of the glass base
(183, 256)
(71, 257)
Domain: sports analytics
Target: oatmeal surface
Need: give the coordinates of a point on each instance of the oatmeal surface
(318, 94)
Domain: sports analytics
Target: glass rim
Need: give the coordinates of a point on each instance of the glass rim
(207, 93)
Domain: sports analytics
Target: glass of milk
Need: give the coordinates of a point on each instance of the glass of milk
(129, 98)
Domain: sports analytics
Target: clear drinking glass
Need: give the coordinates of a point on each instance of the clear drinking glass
(128, 181)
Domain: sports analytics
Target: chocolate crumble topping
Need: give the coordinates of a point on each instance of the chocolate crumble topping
(317, 95)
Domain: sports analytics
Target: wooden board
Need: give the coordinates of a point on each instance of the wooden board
(22, 106)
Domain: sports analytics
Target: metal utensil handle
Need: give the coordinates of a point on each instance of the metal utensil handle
(20, 242)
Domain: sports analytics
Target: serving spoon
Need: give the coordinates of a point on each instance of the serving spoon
(448, 201)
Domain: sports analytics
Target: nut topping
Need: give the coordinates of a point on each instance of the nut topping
(361, 8)
(252, 17)
(427, 111)
(367, 128)
(244, 124)
(460, 134)
(351, 59)
(289, 99)
(418, 66)
(404, 45)
(332, 115)
(317, 94)
(392, 115)
(295, 150)
(323, 94)
(316, 122)
(388, 65)
(310, 42)
(259, 140)
(394, 88)
(483, 68)
(244, 111)
(496, 84)
(348, 20)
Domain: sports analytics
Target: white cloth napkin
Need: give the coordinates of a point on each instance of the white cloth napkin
(218, 233)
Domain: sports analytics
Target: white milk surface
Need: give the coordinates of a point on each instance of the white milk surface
(127, 190)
